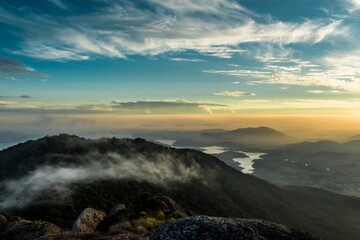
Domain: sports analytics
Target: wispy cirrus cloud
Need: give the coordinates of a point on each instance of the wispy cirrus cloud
(328, 79)
(58, 3)
(340, 72)
(323, 91)
(187, 60)
(215, 28)
(234, 94)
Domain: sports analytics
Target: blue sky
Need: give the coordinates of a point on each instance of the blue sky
(179, 57)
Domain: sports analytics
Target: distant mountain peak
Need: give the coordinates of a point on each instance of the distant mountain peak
(258, 130)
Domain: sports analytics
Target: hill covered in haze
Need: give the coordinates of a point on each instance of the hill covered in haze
(325, 164)
(253, 138)
(55, 178)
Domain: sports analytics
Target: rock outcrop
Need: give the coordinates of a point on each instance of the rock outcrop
(88, 220)
(3, 222)
(195, 228)
(117, 209)
(169, 206)
(28, 230)
(78, 236)
(214, 228)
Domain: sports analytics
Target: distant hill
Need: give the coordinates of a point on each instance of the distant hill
(325, 164)
(246, 138)
(319, 146)
(55, 178)
(327, 146)
(261, 136)
(355, 137)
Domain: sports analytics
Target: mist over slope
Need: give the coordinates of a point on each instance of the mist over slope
(55, 178)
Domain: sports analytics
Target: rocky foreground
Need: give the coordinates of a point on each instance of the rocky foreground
(166, 221)
(205, 227)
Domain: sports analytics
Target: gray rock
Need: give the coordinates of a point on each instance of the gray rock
(213, 228)
(88, 220)
(3, 222)
(169, 206)
(116, 209)
(82, 236)
(29, 230)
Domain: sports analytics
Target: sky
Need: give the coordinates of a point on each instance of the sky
(65, 60)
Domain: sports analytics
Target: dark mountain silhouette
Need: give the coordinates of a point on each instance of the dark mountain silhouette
(55, 178)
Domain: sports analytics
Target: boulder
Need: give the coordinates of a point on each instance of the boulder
(169, 206)
(116, 209)
(88, 220)
(79, 236)
(3, 222)
(215, 228)
(28, 230)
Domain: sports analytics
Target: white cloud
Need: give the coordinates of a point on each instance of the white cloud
(58, 3)
(207, 6)
(322, 91)
(10, 78)
(187, 60)
(315, 91)
(352, 5)
(51, 53)
(338, 72)
(234, 94)
(210, 27)
(324, 79)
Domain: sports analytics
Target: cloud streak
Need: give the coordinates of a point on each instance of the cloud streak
(234, 94)
(10, 66)
(187, 60)
(59, 4)
(16, 97)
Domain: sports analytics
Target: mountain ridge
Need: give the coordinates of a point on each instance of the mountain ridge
(203, 184)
